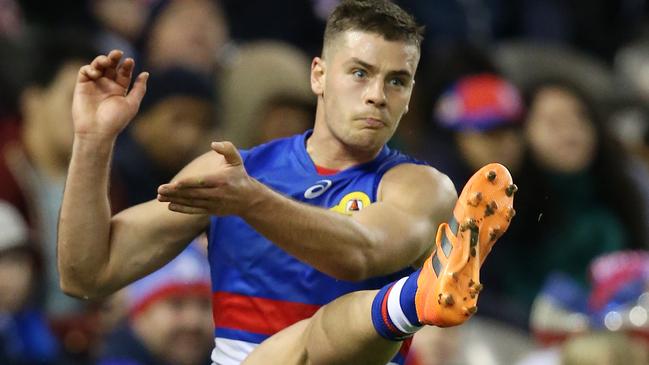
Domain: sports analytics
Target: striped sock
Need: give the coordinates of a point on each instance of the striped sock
(394, 314)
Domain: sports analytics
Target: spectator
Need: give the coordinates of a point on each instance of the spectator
(34, 164)
(479, 117)
(179, 110)
(266, 94)
(169, 313)
(603, 323)
(604, 349)
(120, 23)
(25, 338)
(187, 33)
(583, 201)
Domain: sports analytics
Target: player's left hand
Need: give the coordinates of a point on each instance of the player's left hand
(226, 190)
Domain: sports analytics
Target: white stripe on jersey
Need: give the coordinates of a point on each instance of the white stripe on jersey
(231, 352)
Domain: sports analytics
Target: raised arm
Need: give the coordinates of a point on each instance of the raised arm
(98, 254)
(384, 237)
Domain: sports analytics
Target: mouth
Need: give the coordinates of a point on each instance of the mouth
(371, 122)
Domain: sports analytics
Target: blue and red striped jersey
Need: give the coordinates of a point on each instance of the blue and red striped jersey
(259, 289)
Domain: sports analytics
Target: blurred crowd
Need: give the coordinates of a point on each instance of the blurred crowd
(558, 91)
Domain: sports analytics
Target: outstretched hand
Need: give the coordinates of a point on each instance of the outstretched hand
(102, 103)
(226, 190)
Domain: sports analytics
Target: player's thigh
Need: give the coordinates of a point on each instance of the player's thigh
(287, 347)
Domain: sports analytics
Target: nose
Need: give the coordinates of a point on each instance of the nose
(375, 93)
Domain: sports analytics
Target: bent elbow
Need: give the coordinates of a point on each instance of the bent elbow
(77, 288)
(72, 290)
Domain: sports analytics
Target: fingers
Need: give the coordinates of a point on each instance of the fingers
(168, 194)
(229, 151)
(87, 72)
(187, 210)
(136, 94)
(124, 72)
(107, 63)
(195, 182)
(188, 202)
(102, 65)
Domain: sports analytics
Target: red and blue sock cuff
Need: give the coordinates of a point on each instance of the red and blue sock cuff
(407, 299)
(394, 314)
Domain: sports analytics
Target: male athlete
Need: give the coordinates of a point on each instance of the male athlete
(295, 223)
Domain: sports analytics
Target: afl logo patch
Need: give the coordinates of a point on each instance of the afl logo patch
(317, 189)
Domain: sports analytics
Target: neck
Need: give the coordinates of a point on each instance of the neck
(327, 150)
(41, 152)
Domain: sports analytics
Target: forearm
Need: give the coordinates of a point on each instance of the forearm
(333, 243)
(84, 223)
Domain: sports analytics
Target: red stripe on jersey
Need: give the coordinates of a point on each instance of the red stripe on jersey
(257, 315)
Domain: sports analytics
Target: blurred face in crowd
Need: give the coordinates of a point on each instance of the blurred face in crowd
(363, 84)
(503, 145)
(173, 130)
(187, 33)
(48, 110)
(177, 329)
(16, 275)
(437, 346)
(561, 136)
(282, 120)
(126, 17)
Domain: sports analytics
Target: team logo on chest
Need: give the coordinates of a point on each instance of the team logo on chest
(352, 202)
(317, 189)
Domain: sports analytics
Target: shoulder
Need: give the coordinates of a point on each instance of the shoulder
(418, 183)
(416, 176)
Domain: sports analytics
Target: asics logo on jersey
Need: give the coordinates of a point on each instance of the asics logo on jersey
(318, 189)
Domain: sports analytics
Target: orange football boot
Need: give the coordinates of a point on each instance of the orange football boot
(449, 282)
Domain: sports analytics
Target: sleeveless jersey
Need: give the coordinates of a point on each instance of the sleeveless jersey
(259, 289)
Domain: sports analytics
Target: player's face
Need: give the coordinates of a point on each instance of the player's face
(365, 85)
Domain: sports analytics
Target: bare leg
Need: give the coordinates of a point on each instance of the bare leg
(339, 333)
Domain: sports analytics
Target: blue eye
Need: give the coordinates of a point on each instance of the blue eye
(397, 82)
(360, 74)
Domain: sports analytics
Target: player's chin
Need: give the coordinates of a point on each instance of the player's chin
(368, 140)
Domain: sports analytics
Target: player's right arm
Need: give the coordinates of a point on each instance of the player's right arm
(97, 253)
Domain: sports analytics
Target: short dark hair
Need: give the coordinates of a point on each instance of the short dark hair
(382, 17)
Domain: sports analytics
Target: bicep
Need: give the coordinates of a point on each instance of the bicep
(145, 237)
(413, 201)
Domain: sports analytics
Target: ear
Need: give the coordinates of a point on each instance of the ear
(318, 76)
